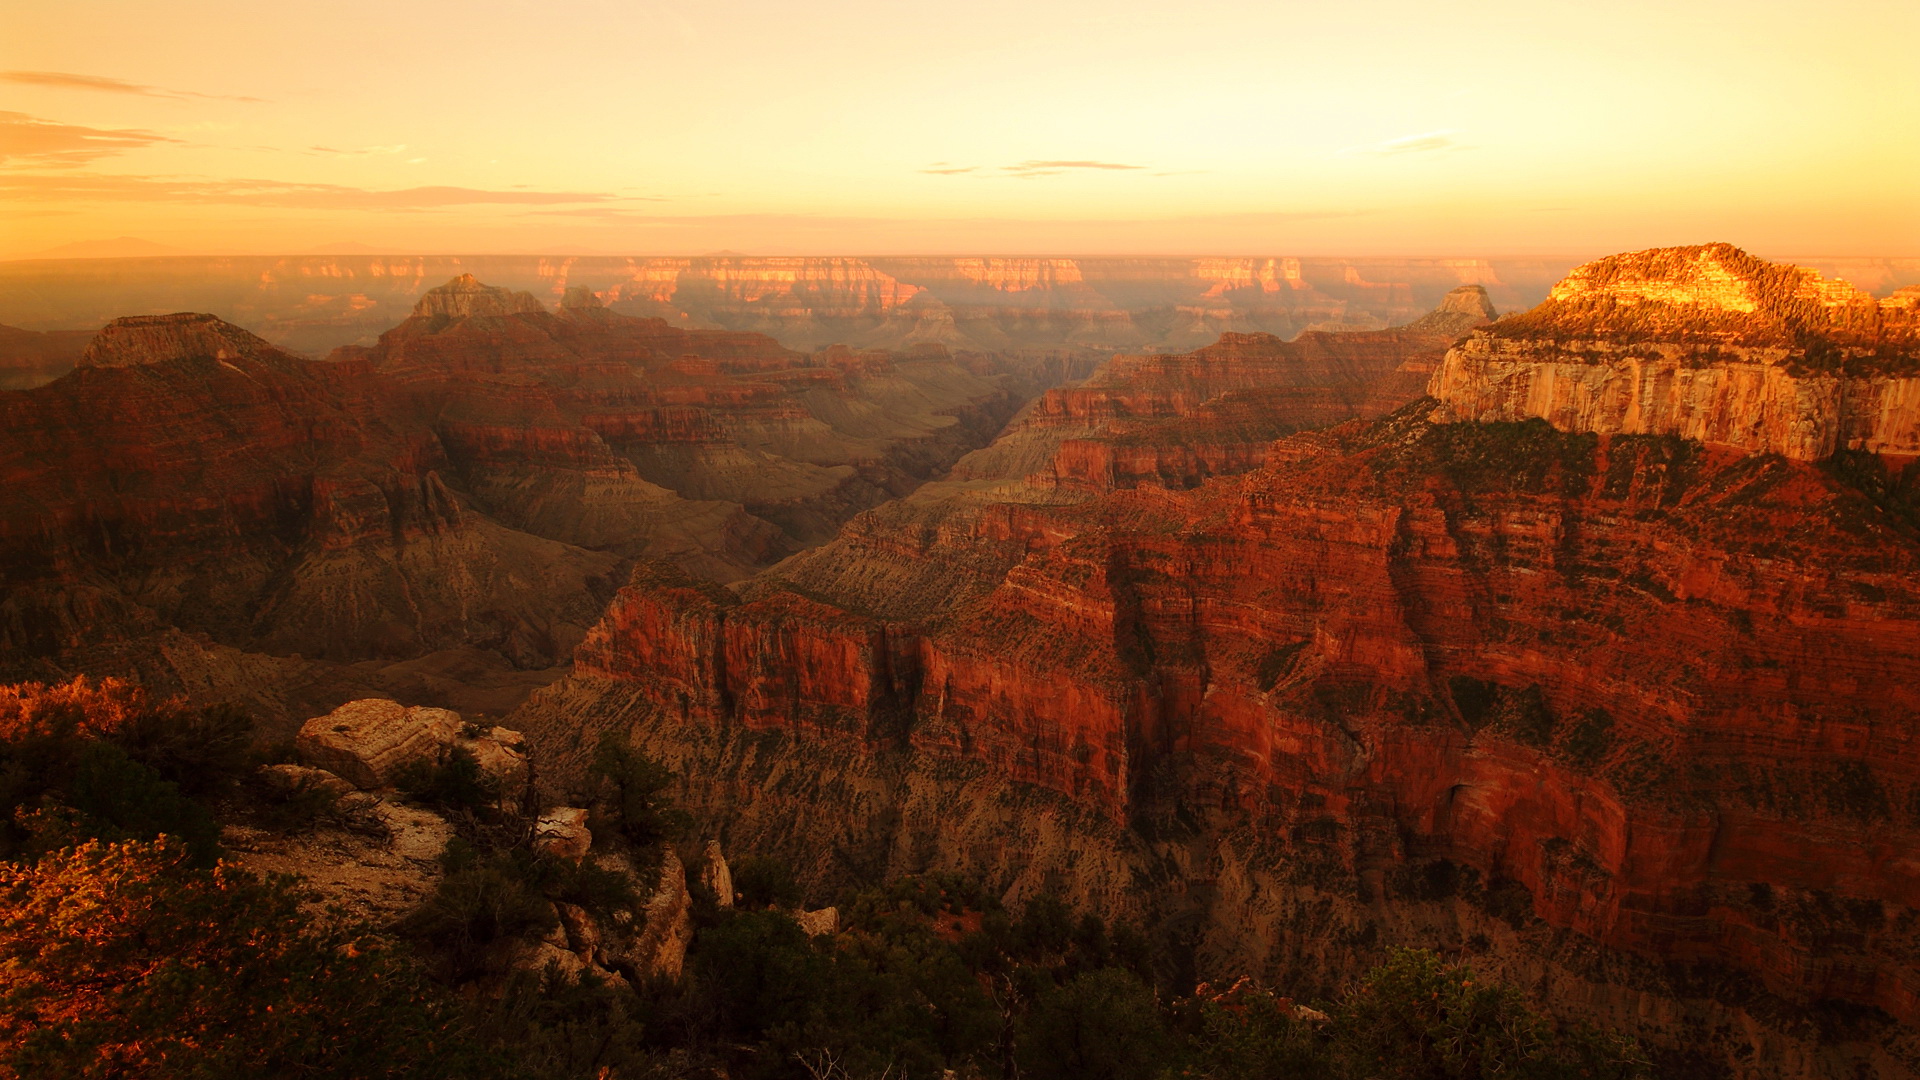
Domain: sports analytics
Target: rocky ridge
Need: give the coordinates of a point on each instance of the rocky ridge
(1706, 343)
(441, 516)
(1624, 712)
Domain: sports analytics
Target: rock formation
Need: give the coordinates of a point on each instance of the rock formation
(562, 833)
(374, 742)
(1631, 714)
(202, 510)
(715, 876)
(659, 950)
(1707, 343)
(439, 517)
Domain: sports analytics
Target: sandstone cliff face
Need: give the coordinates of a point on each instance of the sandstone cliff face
(1629, 712)
(609, 431)
(1179, 419)
(1705, 343)
(197, 506)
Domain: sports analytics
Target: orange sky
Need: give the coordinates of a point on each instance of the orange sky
(1352, 127)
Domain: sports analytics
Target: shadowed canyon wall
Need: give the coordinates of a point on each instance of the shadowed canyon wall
(440, 515)
(1630, 715)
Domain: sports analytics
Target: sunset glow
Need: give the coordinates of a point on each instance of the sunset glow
(215, 126)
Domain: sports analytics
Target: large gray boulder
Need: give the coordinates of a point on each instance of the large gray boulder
(370, 742)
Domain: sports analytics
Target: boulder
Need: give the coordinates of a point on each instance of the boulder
(289, 780)
(715, 875)
(659, 950)
(815, 923)
(583, 933)
(562, 833)
(539, 955)
(371, 741)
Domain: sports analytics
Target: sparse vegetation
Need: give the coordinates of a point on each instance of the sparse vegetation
(128, 959)
(104, 761)
(631, 797)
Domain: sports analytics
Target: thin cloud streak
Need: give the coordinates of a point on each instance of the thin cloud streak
(33, 141)
(101, 187)
(1427, 142)
(67, 80)
(1027, 169)
(364, 151)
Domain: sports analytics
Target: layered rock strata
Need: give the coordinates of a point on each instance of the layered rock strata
(442, 516)
(1706, 343)
(1630, 715)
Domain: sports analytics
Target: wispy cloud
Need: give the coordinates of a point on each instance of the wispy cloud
(362, 151)
(1026, 169)
(101, 187)
(33, 141)
(66, 80)
(1427, 142)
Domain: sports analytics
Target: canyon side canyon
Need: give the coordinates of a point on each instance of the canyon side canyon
(1291, 607)
(1299, 648)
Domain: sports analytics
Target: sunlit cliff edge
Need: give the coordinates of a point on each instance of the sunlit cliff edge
(1707, 343)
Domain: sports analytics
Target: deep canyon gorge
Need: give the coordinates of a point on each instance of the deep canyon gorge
(1567, 618)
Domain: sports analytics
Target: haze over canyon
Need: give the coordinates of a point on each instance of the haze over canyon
(1292, 609)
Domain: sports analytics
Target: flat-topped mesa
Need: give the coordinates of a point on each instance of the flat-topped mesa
(465, 297)
(579, 298)
(157, 339)
(1705, 342)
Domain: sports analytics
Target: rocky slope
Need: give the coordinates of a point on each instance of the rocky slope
(1630, 714)
(29, 359)
(191, 493)
(1707, 343)
(722, 448)
(440, 516)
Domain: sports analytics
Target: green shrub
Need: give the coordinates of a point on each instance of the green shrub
(481, 900)
(453, 782)
(764, 881)
(1102, 1025)
(84, 760)
(633, 801)
(127, 960)
(1418, 1018)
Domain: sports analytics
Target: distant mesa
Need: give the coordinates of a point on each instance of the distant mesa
(579, 297)
(465, 297)
(157, 339)
(120, 247)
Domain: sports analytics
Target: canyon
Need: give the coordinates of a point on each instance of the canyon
(1267, 645)
(1294, 608)
(440, 515)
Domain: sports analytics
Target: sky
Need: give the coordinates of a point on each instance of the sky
(1343, 127)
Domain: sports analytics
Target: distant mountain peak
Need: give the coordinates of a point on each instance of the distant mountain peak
(120, 247)
(466, 296)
